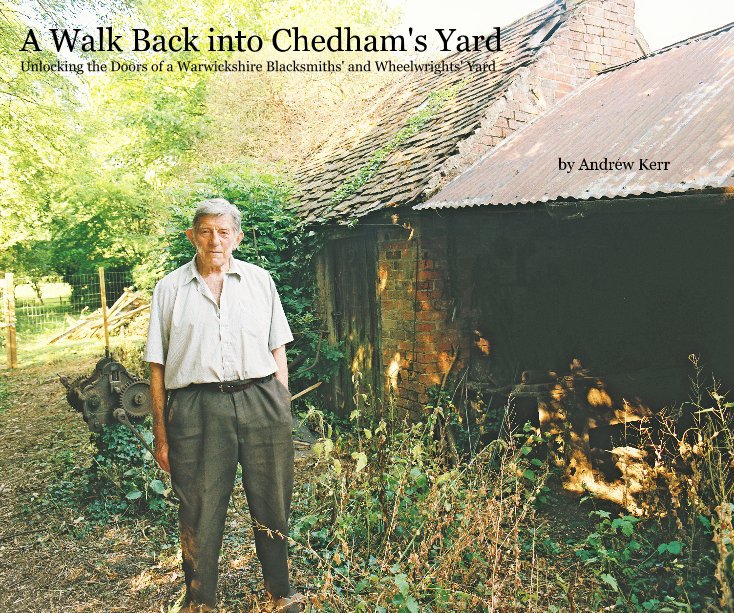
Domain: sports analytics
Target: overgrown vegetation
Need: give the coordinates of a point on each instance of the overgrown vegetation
(680, 555)
(391, 522)
(121, 480)
(386, 518)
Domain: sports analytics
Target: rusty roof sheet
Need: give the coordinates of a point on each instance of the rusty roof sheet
(676, 106)
(405, 171)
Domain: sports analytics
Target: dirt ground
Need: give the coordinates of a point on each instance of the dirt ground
(51, 557)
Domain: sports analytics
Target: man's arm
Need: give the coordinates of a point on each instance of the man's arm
(280, 360)
(158, 393)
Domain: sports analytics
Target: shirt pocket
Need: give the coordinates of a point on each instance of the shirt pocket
(254, 334)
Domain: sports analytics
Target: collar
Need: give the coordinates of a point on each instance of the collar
(191, 272)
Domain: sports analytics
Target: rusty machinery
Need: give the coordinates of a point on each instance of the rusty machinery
(110, 395)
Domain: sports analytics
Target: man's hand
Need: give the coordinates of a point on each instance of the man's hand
(161, 456)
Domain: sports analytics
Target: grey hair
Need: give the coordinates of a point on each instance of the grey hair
(218, 206)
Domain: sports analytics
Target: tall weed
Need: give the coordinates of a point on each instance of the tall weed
(391, 523)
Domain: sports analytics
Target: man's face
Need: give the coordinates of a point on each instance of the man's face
(214, 238)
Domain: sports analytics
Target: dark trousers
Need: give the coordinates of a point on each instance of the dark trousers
(209, 432)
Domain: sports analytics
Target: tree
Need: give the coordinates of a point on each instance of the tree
(90, 164)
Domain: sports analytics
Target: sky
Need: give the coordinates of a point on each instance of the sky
(662, 22)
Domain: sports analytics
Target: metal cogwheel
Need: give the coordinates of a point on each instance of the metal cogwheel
(77, 382)
(136, 399)
(74, 391)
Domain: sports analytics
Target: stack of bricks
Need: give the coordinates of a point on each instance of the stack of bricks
(598, 34)
(396, 270)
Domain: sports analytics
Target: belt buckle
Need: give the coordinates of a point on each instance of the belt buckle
(221, 387)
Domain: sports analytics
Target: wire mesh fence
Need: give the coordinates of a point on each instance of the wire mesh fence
(53, 304)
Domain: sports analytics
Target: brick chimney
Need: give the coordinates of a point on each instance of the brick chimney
(597, 34)
(588, 37)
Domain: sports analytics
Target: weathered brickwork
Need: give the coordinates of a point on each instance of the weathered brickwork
(419, 339)
(422, 336)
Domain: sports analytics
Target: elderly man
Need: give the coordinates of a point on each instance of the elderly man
(216, 345)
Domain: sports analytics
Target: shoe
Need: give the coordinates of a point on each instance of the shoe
(293, 603)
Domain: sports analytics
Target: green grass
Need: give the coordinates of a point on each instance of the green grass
(41, 319)
(34, 350)
(49, 291)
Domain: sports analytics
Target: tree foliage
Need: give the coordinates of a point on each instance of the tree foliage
(90, 164)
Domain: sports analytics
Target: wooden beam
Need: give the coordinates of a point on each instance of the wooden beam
(10, 337)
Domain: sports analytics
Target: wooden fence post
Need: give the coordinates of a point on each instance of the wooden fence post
(9, 324)
(103, 296)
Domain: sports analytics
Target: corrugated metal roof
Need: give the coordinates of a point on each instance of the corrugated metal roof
(675, 106)
(405, 171)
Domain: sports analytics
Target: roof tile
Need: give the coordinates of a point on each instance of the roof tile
(329, 169)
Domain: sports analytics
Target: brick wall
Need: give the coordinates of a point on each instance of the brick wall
(419, 338)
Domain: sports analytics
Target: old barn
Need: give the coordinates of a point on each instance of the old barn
(459, 251)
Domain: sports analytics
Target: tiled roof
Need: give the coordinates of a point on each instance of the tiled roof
(675, 106)
(446, 107)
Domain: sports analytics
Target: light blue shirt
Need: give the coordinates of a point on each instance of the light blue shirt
(199, 341)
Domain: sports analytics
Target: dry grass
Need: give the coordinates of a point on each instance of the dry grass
(51, 557)
(411, 530)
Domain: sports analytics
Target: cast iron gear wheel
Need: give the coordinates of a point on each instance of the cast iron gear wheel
(74, 391)
(136, 399)
(77, 382)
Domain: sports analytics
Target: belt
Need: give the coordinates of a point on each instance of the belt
(230, 387)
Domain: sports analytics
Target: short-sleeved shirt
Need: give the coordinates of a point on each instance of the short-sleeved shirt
(199, 341)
